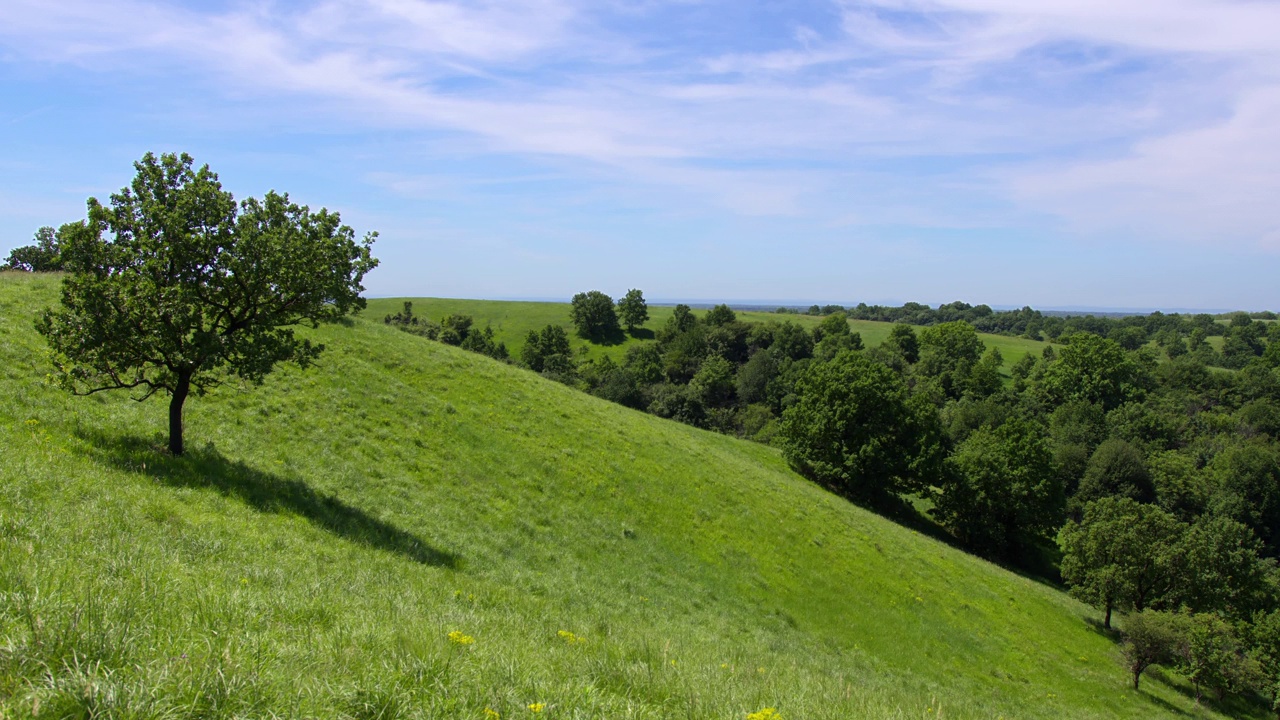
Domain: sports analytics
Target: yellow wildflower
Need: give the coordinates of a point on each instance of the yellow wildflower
(765, 714)
(569, 638)
(457, 637)
(491, 714)
(536, 707)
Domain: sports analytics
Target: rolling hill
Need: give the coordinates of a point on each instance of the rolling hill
(411, 530)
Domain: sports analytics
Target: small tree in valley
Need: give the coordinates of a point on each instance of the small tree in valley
(633, 310)
(593, 314)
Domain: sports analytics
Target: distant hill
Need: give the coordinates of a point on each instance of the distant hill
(411, 530)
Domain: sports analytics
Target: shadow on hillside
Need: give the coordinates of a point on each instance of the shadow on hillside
(1243, 705)
(1035, 563)
(264, 492)
(1113, 633)
(1161, 702)
(643, 334)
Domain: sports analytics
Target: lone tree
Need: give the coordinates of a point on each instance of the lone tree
(633, 310)
(174, 287)
(593, 314)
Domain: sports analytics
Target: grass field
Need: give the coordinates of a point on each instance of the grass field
(313, 551)
(512, 320)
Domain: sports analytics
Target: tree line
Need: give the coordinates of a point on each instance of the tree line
(1174, 334)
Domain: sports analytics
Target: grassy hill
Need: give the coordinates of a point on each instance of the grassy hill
(511, 321)
(326, 533)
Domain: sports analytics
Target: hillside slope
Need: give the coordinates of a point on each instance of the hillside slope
(326, 532)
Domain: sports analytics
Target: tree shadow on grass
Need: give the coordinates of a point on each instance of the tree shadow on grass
(1034, 565)
(1112, 633)
(1160, 702)
(1234, 705)
(611, 336)
(642, 334)
(264, 492)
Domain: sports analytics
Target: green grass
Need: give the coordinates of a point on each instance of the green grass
(512, 320)
(324, 534)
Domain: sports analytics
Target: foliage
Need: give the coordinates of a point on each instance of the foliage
(1001, 495)
(455, 328)
(903, 340)
(790, 341)
(1120, 555)
(1096, 370)
(681, 321)
(1218, 567)
(948, 353)
(483, 343)
(1116, 469)
(1212, 658)
(45, 255)
(755, 375)
(683, 354)
(633, 310)
(1248, 488)
(550, 346)
(173, 286)
(1151, 638)
(720, 315)
(408, 322)
(593, 314)
(854, 430)
(714, 384)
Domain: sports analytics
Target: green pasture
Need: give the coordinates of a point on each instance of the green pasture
(327, 532)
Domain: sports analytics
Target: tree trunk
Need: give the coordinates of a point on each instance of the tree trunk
(1106, 624)
(1136, 676)
(180, 392)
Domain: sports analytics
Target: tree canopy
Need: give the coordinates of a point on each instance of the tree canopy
(1097, 370)
(1120, 555)
(854, 429)
(173, 286)
(1002, 495)
(44, 255)
(633, 310)
(593, 314)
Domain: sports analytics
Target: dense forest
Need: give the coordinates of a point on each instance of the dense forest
(1119, 461)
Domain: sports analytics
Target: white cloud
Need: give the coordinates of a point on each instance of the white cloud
(1190, 152)
(1213, 185)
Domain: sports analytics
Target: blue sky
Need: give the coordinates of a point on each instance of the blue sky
(1052, 153)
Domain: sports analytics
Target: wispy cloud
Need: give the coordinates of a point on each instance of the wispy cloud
(1150, 120)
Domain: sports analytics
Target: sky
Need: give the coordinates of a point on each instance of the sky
(1056, 153)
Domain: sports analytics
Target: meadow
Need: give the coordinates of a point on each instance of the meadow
(512, 320)
(411, 530)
